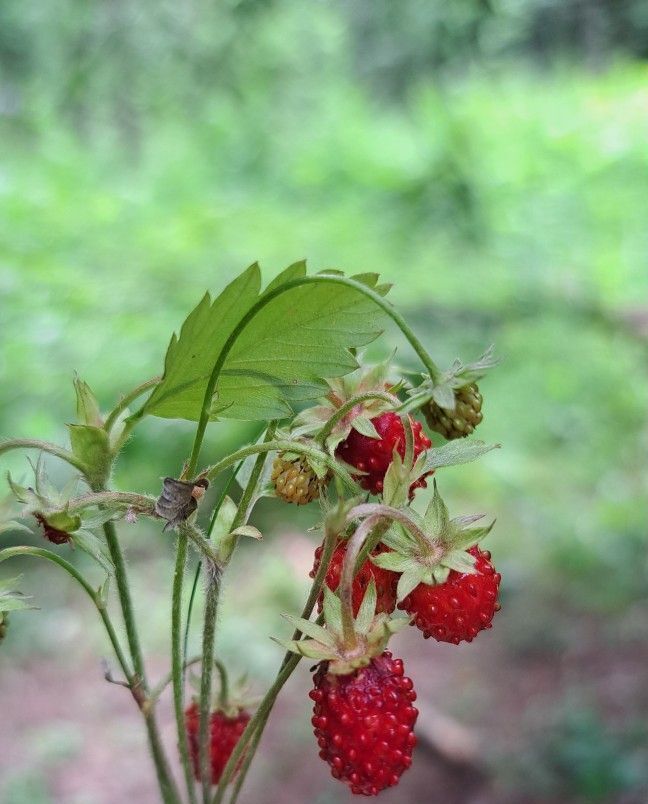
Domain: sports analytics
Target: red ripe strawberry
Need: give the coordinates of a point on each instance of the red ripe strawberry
(364, 723)
(386, 581)
(224, 733)
(461, 607)
(374, 455)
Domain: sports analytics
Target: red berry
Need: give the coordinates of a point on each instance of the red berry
(386, 581)
(374, 455)
(461, 607)
(224, 733)
(364, 723)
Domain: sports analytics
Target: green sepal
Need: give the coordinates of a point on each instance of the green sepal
(457, 452)
(311, 629)
(87, 407)
(87, 541)
(91, 445)
(394, 562)
(305, 647)
(10, 598)
(365, 427)
(221, 534)
(409, 581)
(444, 396)
(64, 521)
(247, 530)
(332, 608)
(367, 610)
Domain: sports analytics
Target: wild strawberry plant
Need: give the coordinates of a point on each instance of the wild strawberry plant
(338, 434)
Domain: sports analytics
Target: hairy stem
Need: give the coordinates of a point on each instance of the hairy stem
(177, 664)
(44, 446)
(284, 445)
(213, 572)
(254, 731)
(126, 400)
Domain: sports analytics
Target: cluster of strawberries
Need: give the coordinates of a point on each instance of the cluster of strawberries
(363, 713)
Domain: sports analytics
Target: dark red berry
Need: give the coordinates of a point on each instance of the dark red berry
(373, 455)
(224, 733)
(386, 581)
(51, 533)
(364, 723)
(460, 608)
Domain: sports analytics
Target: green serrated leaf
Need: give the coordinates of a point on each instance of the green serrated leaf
(300, 337)
(294, 271)
(192, 355)
(367, 609)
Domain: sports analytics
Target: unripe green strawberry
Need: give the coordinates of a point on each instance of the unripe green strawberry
(295, 481)
(462, 421)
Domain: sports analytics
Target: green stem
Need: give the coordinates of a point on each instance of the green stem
(141, 503)
(48, 555)
(223, 692)
(254, 723)
(157, 691)
(125, 401)
(349, 564)
(168, 788)
(177, 664)
(253, 733)
(260, 304)
(285, 445)
(45, 446)
(348, 406)
(209, 631)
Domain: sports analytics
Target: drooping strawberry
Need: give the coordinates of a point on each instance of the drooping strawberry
(225, 729)
(385, 580)
(364, 721)
(372, 456)
(458, 609)
(447, 584)
(363, 716)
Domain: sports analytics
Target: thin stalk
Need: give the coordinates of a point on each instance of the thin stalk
(251, 734)
(260, 304)
(348, 572)
(177, 664)
(44, 446)
(48, 555)
(159, 688)
(211, 607)
(209, 630)
(170, 793)
(348, 406)
(223, 692)
(255, 722)
(284, 445)
(125, 401)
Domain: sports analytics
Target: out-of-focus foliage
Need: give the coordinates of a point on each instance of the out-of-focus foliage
(487, 157)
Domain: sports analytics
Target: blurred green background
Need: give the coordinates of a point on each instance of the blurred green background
(487, 156)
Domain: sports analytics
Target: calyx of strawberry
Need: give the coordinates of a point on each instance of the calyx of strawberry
(374, 393)
(443, 390)
(332, 643)
(229, 697)
(426, 554)
(60, 525)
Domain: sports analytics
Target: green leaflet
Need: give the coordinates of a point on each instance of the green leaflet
(281, 356)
